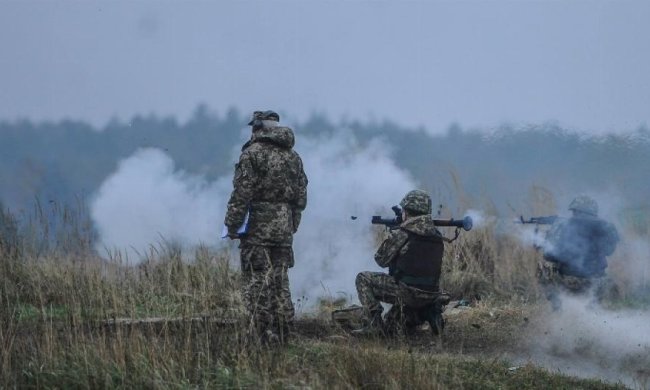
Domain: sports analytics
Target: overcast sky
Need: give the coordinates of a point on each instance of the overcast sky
(583, 64)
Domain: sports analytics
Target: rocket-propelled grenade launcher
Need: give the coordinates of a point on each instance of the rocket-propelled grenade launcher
(393, 223)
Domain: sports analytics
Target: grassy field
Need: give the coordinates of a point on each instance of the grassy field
(61, 305)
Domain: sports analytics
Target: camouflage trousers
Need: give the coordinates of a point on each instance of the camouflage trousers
(553, 282)
(376, 287)
(265, 289)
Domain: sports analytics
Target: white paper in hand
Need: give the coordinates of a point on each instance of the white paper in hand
(243, 229)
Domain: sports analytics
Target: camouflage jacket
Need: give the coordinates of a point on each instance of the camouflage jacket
(579, 245)
(271, 185)
(396, 244)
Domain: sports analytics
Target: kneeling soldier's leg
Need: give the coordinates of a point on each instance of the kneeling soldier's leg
(374, 288)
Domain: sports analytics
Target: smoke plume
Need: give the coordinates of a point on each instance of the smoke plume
(479, 219)
(147, 200)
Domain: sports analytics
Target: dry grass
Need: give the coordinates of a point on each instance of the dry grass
(56, 296)
(482, 265)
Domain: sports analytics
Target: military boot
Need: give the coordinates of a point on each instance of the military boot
(435, 319)
(374, 327)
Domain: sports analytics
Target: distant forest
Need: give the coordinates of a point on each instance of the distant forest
(67, 160)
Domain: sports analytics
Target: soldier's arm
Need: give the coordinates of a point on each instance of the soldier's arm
(301, 199)
(242, 193)
(389, 249)
(550, 242)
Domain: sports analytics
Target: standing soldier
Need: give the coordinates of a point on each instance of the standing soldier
(270, 193)
(576, 251)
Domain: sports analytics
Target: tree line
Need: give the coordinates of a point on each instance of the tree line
(67, 160)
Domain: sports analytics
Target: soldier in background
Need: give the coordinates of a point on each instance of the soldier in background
(413, 255)
(270, 189)
(576, 252)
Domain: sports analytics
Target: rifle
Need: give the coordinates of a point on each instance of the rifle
(549, 220)
(393, 223)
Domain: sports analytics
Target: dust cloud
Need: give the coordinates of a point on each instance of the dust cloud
(584, 339)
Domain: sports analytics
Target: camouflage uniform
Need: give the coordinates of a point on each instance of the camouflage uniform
(576, 251)
(271, 186)
(403, 290)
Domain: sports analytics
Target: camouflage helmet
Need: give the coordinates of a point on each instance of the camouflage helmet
(267, 115)
(584, 204)
(417, 202)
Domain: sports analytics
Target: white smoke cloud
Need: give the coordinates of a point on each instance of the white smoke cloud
(479, 219)
(344, 180)
(531, 235)
(147, 199)
(631, 262)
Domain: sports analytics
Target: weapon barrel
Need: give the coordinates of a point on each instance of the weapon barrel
(378, 220)
(465, 223)
(389, 223)
(548, 220)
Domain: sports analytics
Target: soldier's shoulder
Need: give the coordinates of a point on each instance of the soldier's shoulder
(296, 155)
(562, 224)
(398, 235)
(605, 224)
(254, 148)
